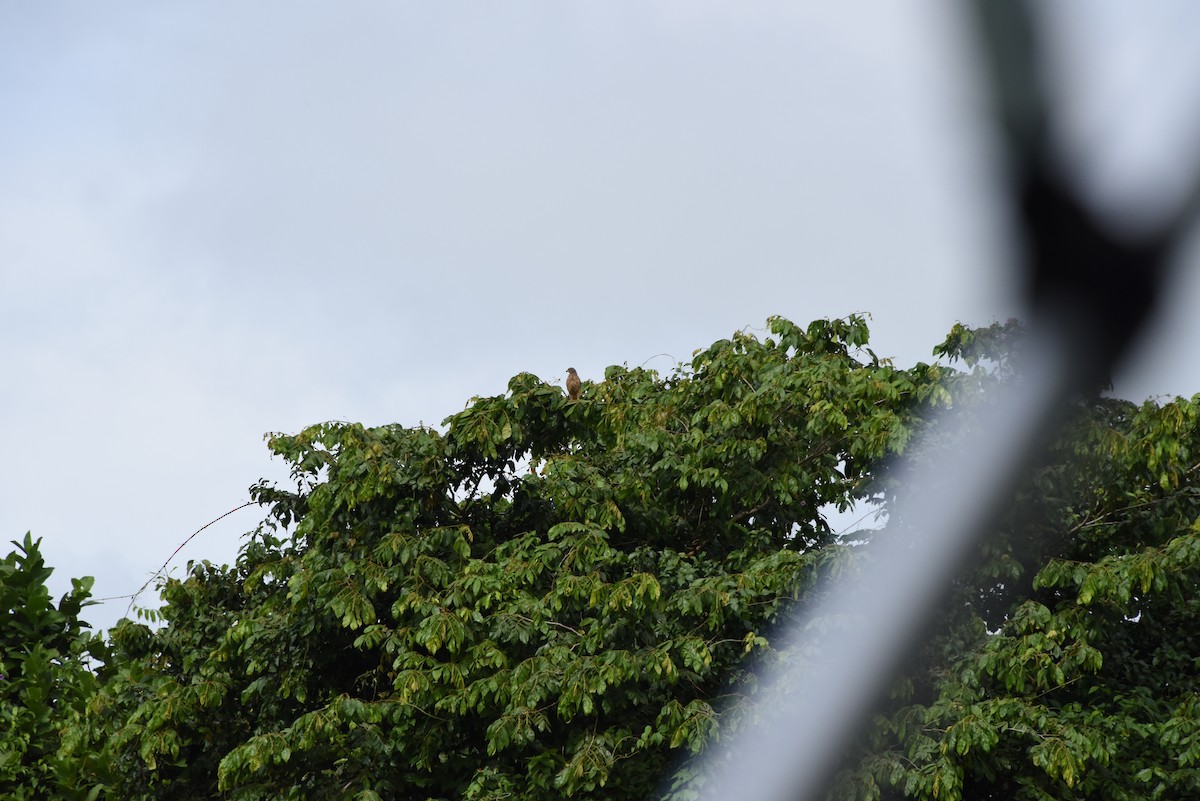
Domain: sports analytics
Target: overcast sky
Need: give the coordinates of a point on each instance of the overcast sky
(222, 219)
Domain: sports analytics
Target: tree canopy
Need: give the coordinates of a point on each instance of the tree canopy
(552, 598)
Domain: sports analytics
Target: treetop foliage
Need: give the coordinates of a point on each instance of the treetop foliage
(552, 598)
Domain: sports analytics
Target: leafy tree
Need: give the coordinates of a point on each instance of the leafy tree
(549, 599)
(45, 652)
(554, 598)
(1069, 667)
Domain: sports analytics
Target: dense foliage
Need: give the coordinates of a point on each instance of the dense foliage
(554, 598)
(45, 653)
(1070, 665)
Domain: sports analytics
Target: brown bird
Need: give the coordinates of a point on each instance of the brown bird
(573, 385)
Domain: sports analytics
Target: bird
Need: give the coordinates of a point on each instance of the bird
(573, 384)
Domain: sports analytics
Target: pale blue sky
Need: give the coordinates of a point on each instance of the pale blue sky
(223, 219)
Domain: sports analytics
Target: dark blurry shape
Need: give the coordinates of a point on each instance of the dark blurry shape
(1098, 284)
(573, 384)
(1090, 291)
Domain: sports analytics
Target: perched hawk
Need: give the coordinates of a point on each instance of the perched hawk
(573, 384)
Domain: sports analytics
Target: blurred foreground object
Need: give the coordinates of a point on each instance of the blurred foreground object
(1091, 290)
